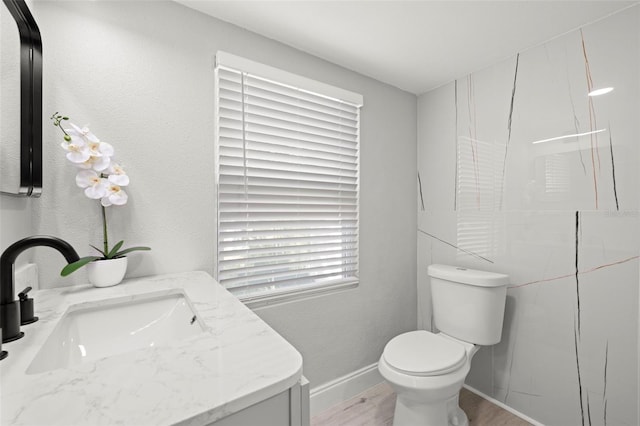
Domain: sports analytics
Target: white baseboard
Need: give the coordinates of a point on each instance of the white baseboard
(343, 388)
(503, 406)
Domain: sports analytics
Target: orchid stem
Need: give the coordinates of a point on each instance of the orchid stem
(104, 230)
(56, 122)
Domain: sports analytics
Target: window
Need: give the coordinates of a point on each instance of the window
(287, 178)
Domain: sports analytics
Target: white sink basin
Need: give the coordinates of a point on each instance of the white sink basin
(90, 331)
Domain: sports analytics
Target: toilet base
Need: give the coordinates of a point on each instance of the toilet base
(444, 413)
(428, 400)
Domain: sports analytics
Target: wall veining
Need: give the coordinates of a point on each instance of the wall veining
(522, 172)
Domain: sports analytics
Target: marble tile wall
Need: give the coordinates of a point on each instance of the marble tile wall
(521, 172)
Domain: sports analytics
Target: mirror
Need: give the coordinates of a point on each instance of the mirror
(20, 101)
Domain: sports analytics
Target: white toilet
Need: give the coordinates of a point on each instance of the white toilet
(427, 370)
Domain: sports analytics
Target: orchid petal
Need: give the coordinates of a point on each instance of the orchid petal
(77, 151)
(84, 165)
(117, 175)
(100, 163)
(121, 180)
(95, 186)
(96, 163)
(116, 195)
(116, 168)
(83, 132)
(94, 149)
(78, 156)
(75, 129)
(76, 141)
(86, 178)
(119, 199)
(95, 192)
(91, 137)
(106, 149)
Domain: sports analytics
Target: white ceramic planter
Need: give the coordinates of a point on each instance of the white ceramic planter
(108, 272)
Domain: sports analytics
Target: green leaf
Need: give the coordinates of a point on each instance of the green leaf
(72, 267)
(114, 250)
(130, 249)
(99, 251)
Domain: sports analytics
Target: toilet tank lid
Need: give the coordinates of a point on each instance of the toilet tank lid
(468, 276)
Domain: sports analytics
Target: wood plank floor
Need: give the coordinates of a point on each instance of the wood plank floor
(374, 407)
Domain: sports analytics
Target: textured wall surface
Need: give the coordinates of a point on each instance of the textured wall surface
(15, 223)
(521, 172)
(141, 75)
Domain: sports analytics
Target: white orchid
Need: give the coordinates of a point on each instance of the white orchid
(95, 187)
(100, 149)
(96, 163)
(101, 178)
(115, 196)
(96, 154)
(83, 133)
(117, 175)
(77, 149)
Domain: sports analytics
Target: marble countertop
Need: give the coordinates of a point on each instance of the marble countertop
(236, 363)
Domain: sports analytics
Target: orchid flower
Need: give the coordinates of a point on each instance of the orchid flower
(117, 175)
(77, 150)
(83, 133)
(98, 164)
(95, 186)
(99, 149)
(115, 195)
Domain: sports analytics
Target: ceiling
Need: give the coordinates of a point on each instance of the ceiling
(413, 45)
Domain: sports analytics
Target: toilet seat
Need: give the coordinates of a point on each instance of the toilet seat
(421, 353)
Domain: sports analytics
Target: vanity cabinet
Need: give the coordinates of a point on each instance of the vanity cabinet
(288, 408)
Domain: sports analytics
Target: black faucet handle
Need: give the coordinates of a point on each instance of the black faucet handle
(26, 308)
(23, 294)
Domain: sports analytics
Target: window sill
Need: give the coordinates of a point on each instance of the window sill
(292, 294)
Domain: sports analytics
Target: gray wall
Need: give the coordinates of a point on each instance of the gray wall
(15, 222)
(141, 75)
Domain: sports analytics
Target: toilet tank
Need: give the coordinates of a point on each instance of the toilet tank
(468, 304)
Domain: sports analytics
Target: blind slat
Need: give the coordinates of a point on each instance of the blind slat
(284, 241)
(290, 264)
(236, 137)
(257, 253)
(258, 173)
(237, 263)
(338, 271)
(292, 184)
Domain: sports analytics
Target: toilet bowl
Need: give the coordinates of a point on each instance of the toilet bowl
(427, 370)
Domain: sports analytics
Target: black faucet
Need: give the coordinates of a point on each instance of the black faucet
(9, 307)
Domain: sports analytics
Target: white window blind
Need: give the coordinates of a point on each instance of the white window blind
(287, 182)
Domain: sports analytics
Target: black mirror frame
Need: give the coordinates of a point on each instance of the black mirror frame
(30, 99)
